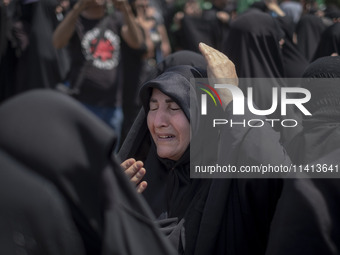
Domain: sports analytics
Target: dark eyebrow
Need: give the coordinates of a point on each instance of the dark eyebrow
(169, 100)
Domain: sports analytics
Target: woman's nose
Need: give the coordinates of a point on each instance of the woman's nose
(161, 119)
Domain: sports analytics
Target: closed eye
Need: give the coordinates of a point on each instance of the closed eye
(173, 106)
(153, 104)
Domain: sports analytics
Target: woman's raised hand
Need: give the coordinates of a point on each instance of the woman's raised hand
(220, 68)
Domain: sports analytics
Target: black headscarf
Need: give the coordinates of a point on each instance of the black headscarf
(57, 138)
(139, 130)
(182, 57)
(321, 130)
(175, 83)
(329, 42)
(308, 31)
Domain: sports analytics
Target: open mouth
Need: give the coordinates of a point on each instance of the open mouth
(165, 136)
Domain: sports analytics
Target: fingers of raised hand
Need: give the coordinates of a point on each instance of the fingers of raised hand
(212, 55)
(219, 65)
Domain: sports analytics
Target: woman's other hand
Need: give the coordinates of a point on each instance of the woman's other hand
(135, 172)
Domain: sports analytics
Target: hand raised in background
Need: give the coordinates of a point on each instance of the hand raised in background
(221, 69)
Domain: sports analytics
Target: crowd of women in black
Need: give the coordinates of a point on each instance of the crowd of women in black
(64, 189)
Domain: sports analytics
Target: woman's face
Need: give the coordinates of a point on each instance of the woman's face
(168, 125)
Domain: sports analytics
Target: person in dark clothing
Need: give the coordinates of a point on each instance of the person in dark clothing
(329, 42)
(320, 134)
(195, 25)
(254, 46)
(309, 207)
(306, 220)
(293, 9)
(220, 16)
(308, 32)
(141, 61)
(7, 54)
(200, 216)
(34, 217)
(93, 39)
(39, 65)
(182, 57)
(3, 29)
(178, 58)
(293, 61)
(194, 29)
(73, 150)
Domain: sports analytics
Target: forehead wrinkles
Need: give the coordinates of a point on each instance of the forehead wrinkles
(167, 100)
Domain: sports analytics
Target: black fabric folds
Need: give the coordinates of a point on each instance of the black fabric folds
(253, 46)
(307, 216)
(308, 31)
(306, 219)
(41, 65)
(320, 134)
(329, 42)
(54, 136)
(195, 30)
(293, 61)
(182, 57)
(34, 217)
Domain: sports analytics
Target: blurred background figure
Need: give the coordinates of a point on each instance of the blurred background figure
(308, 32)
(201, 22)
(292, 9)
(138, 63)
(30, 60)
(93, 34)
(69, 196)
(320, 134)
(329, 43)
